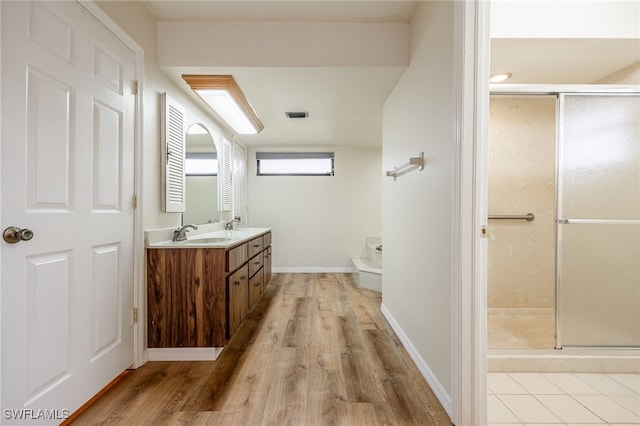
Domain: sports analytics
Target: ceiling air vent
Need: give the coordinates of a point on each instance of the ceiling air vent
(296, 114)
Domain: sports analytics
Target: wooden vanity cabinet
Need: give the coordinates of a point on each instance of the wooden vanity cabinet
(185, 295)
(198, 297)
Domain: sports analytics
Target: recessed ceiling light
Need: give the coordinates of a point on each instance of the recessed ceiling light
(296, 114)
(500, 77)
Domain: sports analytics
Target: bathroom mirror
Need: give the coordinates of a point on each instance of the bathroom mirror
(201, 177)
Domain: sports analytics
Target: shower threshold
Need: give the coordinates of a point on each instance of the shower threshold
(567, 360)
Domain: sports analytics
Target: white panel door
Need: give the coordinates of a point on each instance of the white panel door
(67, 175)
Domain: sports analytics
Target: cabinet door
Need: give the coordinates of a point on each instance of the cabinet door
(255, 288)
(238, 285)
(267, 266)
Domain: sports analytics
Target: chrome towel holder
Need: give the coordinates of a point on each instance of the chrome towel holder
(415, 163)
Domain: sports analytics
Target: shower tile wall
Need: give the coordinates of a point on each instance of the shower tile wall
(521, 264)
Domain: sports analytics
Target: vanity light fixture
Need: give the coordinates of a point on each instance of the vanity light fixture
(223, 95)
(500, 77)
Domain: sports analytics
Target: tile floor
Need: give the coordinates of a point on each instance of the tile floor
(573, 399)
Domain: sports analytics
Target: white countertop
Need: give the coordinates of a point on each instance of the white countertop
(161, 239)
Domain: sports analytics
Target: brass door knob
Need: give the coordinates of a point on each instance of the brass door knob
(13, 234)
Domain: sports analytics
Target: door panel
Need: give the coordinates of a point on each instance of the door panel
(599, 221)
(68, 169)
(600, 295)
(107, 330)
(49, 142)
(107, 158)
(46, 322)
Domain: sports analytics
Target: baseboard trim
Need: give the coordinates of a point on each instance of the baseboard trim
(432, 380)
(311, 269)
(183, 354)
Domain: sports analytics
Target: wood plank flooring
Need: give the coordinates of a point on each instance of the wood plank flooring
(314, 351)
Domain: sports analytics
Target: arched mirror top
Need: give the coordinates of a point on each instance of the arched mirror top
(199, 139)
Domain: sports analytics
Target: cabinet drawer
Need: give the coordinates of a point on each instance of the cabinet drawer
(267, 239)
(236, 257)
(255, 264)
(255, 246)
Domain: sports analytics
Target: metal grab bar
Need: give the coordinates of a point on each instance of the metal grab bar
(528, 217)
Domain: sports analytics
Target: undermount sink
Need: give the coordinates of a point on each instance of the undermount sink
(206, 240)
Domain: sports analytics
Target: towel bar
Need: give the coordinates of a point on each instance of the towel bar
(413, 164)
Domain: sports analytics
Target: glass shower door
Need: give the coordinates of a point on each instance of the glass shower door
(598, 265)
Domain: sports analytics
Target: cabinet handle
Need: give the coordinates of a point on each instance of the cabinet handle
(258, 284)
(237, 283)
(256, 263)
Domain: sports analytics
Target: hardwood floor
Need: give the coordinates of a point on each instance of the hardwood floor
(314, 351)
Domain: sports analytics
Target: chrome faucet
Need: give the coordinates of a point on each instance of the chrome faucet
(229, 225)
(179, 234)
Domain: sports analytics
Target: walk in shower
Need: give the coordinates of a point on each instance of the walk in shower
(564, 227)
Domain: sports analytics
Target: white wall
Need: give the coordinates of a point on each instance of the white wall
(283, 44)
(417, 208)
(137, 21)
(521, 264)
(318, 221)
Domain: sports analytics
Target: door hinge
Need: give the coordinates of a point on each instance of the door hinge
(136, 87)
(135, 315)
(484, 233)
(135, 202)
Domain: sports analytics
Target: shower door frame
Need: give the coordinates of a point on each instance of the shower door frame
(556, 90)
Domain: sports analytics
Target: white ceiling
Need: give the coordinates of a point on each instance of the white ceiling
(345, 104)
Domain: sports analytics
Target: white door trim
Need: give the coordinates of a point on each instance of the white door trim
(139, 355)
(469, 254)
(1, 404)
